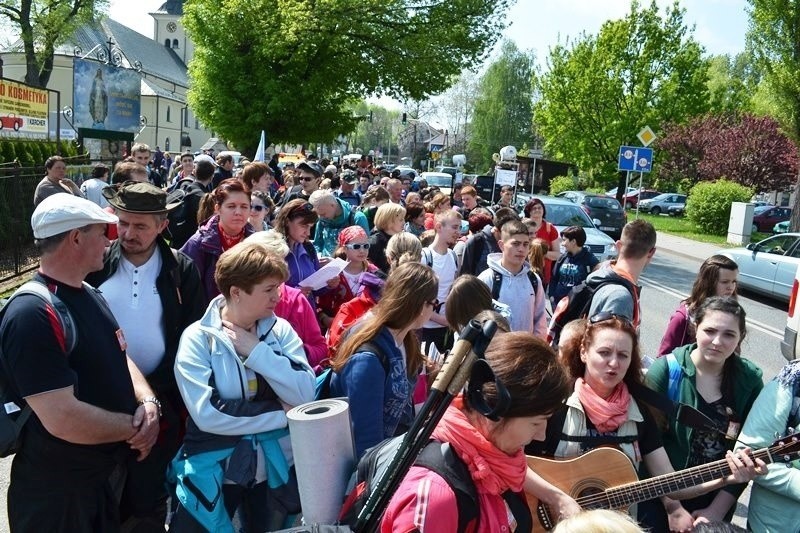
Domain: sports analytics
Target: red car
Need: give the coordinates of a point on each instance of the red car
(11, 121)
(632, 199)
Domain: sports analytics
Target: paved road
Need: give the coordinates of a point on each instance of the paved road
(666, 281)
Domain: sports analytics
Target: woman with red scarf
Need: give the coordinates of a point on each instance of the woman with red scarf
(226, 228)
(490, 448)
(606, 367)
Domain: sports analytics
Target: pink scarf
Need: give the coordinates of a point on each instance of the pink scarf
(607, 414)
(492, 470)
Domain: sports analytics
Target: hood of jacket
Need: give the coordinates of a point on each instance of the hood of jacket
(341, 220)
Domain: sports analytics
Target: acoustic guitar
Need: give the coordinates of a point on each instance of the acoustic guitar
(605, 478)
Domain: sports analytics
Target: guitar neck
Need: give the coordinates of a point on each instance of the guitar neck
(624, 496)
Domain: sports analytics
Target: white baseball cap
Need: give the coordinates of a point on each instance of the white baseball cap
(61, 212)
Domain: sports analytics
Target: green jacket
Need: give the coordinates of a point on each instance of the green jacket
(747, 384)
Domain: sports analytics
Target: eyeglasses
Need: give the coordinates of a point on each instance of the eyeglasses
(436, 304)
(606, 315)
(258, 208)
(357, 246)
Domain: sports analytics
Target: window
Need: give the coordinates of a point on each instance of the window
(175, 44)
(166, 144)
(166, 43)
(185, 117)
(196, 123)
(169, 118)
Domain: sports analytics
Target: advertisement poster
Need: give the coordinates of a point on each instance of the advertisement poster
(105, 97)
(23, 111)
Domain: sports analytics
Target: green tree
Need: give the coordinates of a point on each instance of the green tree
(774, 37)
(503, 106)
(290, 67)
(728, 87)
(43, 25)
(599, 91)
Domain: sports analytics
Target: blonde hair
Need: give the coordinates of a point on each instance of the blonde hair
(403, 248)
(539, 249)
(598, 521)
(387, 213)
(272, 241)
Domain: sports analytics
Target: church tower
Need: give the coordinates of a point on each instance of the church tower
(169, 30)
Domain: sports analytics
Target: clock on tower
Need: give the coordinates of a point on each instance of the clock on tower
(171, 27)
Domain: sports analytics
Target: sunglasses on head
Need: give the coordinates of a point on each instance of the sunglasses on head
(436, 304)
(258, 208)
(357, 246)
(305, 208)
(606, 315)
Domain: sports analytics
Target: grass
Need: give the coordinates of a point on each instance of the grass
(682, 227)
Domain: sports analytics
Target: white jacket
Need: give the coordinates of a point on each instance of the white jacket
(527, 307)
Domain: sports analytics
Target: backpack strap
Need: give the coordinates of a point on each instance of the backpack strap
(534, 281)
(351, 218)
(497, 282)
(371, 347)
(39, 289)
(439, 457)
(310, 250)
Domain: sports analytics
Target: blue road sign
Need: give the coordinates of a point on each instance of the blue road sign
(635, 159)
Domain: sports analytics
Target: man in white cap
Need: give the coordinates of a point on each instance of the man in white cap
(91, 406)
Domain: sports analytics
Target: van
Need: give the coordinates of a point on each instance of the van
(789, 344)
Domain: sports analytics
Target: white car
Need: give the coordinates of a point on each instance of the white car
(768, 267)
(442, 180)
(790, 345)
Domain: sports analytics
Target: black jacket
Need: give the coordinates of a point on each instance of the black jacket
(182, 298)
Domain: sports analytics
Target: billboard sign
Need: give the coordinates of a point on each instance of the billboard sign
(23, 110)
(105, 97)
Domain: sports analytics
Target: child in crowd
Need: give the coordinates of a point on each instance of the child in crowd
(573, 267)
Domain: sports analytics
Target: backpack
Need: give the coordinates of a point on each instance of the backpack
(576, 304)
(497, 282)
(436, 456)
(183, 219)
(322, 386)
(427, 258)
(16, 412)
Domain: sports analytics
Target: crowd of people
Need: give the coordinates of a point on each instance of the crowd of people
(198, 329)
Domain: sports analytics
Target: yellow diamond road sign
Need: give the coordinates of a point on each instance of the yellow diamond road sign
(646, 136)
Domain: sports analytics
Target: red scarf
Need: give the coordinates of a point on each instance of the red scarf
(607, 414)
(228, 241)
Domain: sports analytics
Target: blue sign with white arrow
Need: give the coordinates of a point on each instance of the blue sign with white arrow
(635, 159)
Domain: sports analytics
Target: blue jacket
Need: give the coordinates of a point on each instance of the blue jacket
(327, 232)
(380, 401)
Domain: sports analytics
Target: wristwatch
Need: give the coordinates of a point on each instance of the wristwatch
(154, 401)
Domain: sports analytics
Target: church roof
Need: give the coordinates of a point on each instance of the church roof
(157, 60)
(172, 7)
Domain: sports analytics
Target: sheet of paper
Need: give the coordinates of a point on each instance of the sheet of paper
(320, 278)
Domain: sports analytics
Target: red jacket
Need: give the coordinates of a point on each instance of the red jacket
(348, 314)
(295, 308)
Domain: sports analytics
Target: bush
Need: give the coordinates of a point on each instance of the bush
(709, 204)
(561, 184)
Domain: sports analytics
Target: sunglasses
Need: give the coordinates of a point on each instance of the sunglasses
(436, 304)
(605, 315)
(357, 246)
(308, 178)
(305, 208)
(258, 208)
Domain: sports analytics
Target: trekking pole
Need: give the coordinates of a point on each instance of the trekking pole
(449, 382)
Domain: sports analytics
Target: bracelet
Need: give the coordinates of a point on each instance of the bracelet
(154, 401)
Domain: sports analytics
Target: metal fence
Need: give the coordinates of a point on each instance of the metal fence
(17, 185)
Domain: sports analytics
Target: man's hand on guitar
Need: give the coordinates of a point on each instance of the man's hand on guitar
(743, 468)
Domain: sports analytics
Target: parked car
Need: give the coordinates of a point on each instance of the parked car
(790, 345)
(605, 212)
(676, 210)
(768, 267)
(438, 179)
(632, 198)
(661, 203)
(765, 217)
(781, 227)
(563, 213)
(613, 192)
(406, 171)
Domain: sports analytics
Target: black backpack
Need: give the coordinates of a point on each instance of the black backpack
(183, 219)
(436, 456)
(497, 282)
(11, 423)
(577, 303)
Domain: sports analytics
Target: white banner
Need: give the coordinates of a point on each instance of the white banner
(505, 177)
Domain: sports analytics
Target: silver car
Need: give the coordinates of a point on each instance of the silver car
(768, 267)
(563, 213)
